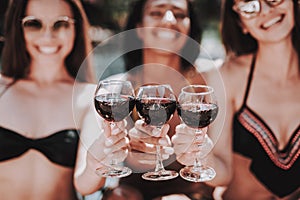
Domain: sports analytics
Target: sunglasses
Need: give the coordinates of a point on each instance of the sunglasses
(34, 25)
(251, 8)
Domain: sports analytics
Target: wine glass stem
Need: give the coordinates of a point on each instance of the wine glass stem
(197, 163)
(159, 163)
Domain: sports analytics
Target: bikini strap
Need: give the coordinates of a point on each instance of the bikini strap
(250, 76)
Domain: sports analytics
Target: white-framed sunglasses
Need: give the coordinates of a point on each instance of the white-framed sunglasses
(251, 8)
(35, 25)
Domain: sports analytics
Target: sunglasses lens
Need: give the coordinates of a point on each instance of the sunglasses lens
(248, 8)
(61, 24)
(32, 24)
(274, 2)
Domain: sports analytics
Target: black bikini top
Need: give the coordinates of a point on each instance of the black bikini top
(278, 170)
(60, 147)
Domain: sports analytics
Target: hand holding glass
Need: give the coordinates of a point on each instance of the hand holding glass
(198, 108)
(114, 101)
(156, 105)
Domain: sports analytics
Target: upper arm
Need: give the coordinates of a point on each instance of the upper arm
(220, 131)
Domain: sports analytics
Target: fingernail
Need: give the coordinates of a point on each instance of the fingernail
(165, 156)
(108, 142)
(106, 151)
(115, 131)
(169, 150)
(199, 137)
(156, 132)
(162, 142)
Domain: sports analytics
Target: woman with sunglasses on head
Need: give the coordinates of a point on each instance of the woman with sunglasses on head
(262, 81)
(45, 45)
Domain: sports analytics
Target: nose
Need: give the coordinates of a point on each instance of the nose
(169, 17)
(47, 32)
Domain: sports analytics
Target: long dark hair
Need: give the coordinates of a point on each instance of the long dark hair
(15, 58)
(239, 43)
(189, 52)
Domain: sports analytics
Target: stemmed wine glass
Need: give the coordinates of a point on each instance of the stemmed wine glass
(114, 100)
(197, 107)
(156, 104)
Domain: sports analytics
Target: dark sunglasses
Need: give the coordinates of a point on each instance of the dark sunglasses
(34, 25)
(251, 8)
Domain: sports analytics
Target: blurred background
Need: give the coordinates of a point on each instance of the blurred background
(108, 17)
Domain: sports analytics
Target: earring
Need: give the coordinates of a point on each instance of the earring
(245, 31)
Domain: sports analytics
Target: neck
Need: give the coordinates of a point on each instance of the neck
(162, 58)
(158, 66)
(45, 74)
(278, 60)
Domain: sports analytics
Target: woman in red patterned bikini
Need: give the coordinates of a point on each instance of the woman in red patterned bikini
(262, 81)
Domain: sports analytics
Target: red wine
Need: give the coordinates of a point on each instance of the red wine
(114, 107)
(197, 115)
(156, 111)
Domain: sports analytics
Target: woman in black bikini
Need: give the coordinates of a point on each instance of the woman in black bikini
(262, 81)
(45, 44)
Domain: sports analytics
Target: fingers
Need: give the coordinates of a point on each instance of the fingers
(112, 144)
(114, 128)
(150, 134)
(148, 158)
(115, 157)
(147, 130)
(189, 143)
(186, 158)
(137, 145)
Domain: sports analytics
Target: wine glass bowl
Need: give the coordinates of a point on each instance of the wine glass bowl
(114, 100)
(156, 105)
(198, 108)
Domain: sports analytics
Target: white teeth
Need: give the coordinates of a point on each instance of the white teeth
(166, 34)
(48, 50)
(272, 22)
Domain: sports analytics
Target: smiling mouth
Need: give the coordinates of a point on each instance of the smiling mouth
(48, 50)
(272, 22)
(166, 35)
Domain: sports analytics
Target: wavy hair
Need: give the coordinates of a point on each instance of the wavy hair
(235, 41)
(15, 58)
(189, 52)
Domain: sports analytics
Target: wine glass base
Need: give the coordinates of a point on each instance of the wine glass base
(199, 174)
(116, 171)
(160, 175)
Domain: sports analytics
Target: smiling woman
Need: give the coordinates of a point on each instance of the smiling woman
(161, 44)
(262, 72)
(45, 44)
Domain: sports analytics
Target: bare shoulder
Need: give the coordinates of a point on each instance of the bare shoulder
(83, 94)
(234, 65)
(4, 83)
(86, 88)
(4, 80)
(235, 70)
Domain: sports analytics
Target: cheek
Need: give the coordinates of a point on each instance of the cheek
(70, 42)
(147, 22)
(186, 25)
(29, 42)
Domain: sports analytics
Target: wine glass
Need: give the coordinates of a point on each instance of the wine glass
(156, 104)
(197, 107)
(114, 100)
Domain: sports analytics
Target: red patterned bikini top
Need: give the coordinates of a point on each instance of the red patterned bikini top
(278, 170)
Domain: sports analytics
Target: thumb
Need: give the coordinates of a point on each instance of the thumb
(106, 128)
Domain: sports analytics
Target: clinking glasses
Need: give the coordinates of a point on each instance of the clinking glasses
(35, 25)
(252, 8)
